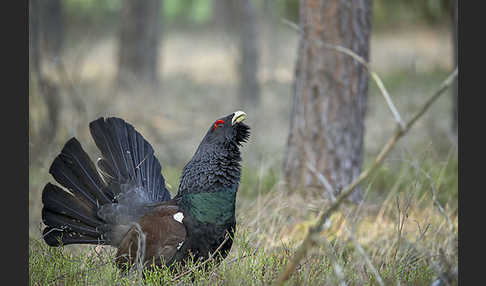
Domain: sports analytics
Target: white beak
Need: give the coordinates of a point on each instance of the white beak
(238, 117)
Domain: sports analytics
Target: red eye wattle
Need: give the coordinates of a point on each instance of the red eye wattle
(217, 123)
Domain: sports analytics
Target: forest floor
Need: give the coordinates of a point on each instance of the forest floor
(407, 224)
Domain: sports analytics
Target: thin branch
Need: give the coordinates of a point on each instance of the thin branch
(322, 179)
(387, 97)
(399, 133)
(358, 247)
(362, 61)
(402, 218)
(291, 24)
(375, 77)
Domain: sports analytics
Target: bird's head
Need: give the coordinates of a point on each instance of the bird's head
(228, 131)
(217, 159)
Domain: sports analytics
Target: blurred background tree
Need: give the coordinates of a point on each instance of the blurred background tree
(223, 14)
(249, 55)
(45, 42)
(241, 51)
(138, 48)
(52, 34)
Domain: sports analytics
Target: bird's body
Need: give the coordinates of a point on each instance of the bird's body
(123, 201)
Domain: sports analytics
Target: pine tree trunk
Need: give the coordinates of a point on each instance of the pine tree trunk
(249, 87)
(139, 42)
(330, 95)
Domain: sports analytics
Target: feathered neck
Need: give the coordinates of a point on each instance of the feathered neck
(213, 166)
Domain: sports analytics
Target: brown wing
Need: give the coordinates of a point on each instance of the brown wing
(162, 233)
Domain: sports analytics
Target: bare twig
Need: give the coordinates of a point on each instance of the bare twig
(402, 218)
(291, 24)
(362, 61)
(437, 203)
(322, 179)
(399, 133)
(446, 273)
(375, 77)
(358, 247)
(338, 271)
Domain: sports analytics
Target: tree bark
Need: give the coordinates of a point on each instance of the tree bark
(249, 59)
(330, 95)
(139, 42)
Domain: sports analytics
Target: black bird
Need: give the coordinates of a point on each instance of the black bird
(122, 201)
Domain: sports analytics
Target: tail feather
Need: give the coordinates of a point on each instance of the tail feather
(59, 201)
(56, 237)
(74, 170)
(68, 224)
(112, 150)
(71, 217)
(128, 158)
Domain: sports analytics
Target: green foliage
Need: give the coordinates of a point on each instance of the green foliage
(388, 13)
(288, 9)
(80, 12)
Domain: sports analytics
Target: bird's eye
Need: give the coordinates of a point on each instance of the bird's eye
(218, 123)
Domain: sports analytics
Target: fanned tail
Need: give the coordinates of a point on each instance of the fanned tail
(100, 203)
(71, 217)
(128, 158)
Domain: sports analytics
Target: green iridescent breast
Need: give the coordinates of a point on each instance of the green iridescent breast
(211, 207)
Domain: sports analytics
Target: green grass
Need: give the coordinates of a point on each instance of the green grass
(246, 266)
(263, 246)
